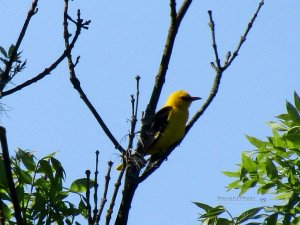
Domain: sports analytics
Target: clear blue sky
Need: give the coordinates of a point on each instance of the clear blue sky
(126, 39)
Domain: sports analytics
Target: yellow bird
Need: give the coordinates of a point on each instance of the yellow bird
(168, 125)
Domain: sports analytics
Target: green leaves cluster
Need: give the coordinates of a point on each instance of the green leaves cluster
(273, 167)
(13, 68)
(39, 185)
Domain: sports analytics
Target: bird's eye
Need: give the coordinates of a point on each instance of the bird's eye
(185, 98)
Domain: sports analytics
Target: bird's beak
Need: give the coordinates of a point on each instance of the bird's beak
(194, 98)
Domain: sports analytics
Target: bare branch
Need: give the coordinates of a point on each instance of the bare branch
(219, 69)
(173, 10)
(104, 199)
(244, 36)
(87, 195)
(183, 9)
(114, 196)
(76, 83)
(134, 111)
(49, 69)
(214, 44)
(10, 181)
(212, 95)
(5, 76)
(96, 185)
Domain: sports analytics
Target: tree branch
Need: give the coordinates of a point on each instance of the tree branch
(87, 195)
(104, 198)
(49, 69)
(5, 76)
(214, 44)
(10, 181)
(96, 185)
(76, 83)
(114, 196)
(165, 60)
(134, 111)
(218, 68)
(132, 171)
(243, 37)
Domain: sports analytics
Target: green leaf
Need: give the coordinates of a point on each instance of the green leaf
(277, 126)
(256, 142)
(42, 184)
(79, 185)
(293, 112)
(284, 117)
(249, 165)
(3, 52)
(83, 208)
(58, 167)
(247, 185)
(293, 135)
(234, 184)
(265, 188)
(224, 221)
(25, 177)
(297, 101)
(214, 212)
(272, 219)
(271, 169)
(231, 174)
(45, 167)
(27, 158)
(10, 50)
(6, 211)
(203, 206)
(284, 196)
(249, 214)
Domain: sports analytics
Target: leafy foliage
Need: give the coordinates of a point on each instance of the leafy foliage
(13, 69)
(39, 185)
(272, 168)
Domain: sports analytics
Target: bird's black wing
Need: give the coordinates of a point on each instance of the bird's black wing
(157, 126)
(160, 119)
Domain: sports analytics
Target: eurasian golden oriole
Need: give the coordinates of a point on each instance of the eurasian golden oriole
(168, 124)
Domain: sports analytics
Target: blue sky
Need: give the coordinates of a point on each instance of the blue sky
(126, 39)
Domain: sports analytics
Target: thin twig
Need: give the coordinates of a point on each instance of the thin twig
(220, 69)
(173, 11)
(183, 9)
(104, 197)
(244, 36)
(114, 196)
(10, 181)
(96, 185)
(88, 203)
(214, 44)
(76, 83)
(134, 111)
(5, 76)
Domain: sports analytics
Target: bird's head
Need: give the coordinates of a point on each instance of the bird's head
(180, 99)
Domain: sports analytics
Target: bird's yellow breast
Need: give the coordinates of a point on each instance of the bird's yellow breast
(173, 132)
